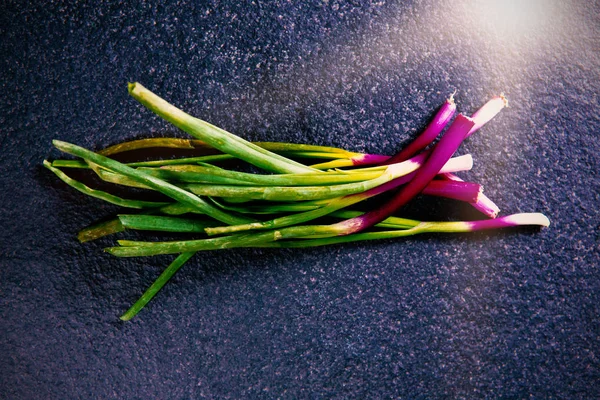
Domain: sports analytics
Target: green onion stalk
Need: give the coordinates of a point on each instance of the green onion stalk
(415, 184)
(225, 209)
(311, 236)
(216, 137)
(164, 187)
(292, 150)
(439, 156)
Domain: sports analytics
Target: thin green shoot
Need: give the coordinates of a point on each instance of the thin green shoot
(157, 285)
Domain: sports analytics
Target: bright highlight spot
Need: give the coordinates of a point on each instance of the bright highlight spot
(514, 19)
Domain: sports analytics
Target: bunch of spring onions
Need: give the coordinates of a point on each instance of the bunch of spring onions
(225, 208)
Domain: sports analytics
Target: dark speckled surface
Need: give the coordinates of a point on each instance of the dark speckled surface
(512, 314)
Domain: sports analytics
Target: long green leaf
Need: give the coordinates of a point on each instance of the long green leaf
(157, 285)
(99, 194)
(166, 188)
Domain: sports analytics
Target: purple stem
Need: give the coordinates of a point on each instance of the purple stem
(370, 159)
(483, 203)
(482, 116)
(509, 221)
(487, 112)
(463, 191)
(435, 127)
(440, 154)
(358, 160)
(395, 183)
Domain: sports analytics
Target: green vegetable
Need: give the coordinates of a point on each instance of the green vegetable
(220, 208)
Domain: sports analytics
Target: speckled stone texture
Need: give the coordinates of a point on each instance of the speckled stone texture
(511, 314)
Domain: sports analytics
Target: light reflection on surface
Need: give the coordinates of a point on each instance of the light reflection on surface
(472, 46)
(515, 20)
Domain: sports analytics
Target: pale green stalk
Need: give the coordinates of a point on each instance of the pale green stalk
(192, 225)
(284, 193)
(294, 219)
(119, 179)
(214, 136)
(197, 174)
(317, 235)
(271, 238)
(299, 193)
(287, 149)
(333, 205)
(147, 143)
(337, 163)
(189, 144)
(180, 161)
(99, 230)
(272, 208)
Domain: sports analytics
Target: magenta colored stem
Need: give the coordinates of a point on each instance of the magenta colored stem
(483, 203)
(435, 127)
(509, 221)
(486, 206)
(463, 191)
(482, 116)
(369, 159)
(488, 111)
(440, 154)
(393, 184)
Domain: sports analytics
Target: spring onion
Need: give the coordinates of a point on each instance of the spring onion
(222, 208)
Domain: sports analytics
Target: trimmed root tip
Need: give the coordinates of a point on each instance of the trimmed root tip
(60, 145)
(131, 86)
(212, 231)
(504, 99)
(125, 317)
(83, 238)
(110, 250)
(467, 161)
(451, 98)
(529, 219)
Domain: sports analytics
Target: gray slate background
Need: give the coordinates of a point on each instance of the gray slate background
(510, 314)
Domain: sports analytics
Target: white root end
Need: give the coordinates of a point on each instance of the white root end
(528, 219)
